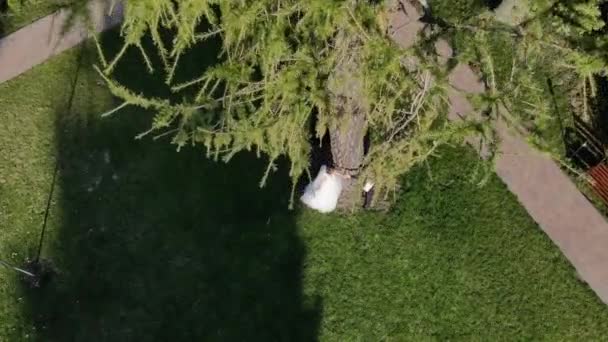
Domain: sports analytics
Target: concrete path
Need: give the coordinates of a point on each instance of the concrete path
(35, 43)
(549, 195)
(559, 208)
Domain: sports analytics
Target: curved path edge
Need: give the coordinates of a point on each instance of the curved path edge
(33, 44)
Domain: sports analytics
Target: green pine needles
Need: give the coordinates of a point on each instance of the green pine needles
(284, 63)
(279, 60)
(526, 44)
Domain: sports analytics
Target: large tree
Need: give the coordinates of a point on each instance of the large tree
(540, 60)
(287, 63)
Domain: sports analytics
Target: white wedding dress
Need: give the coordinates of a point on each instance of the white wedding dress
(322, 194)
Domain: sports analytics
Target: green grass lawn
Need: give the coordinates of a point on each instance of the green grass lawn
(151, 244)
(24, 12)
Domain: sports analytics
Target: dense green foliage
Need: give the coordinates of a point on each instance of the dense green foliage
(282, 64)
(455, 11)
(560, 41)
(159, 245)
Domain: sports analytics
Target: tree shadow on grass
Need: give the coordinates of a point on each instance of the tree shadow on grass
(599, 108)
(3, 13)
(157, 245)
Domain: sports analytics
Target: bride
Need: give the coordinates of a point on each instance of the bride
(323, 193)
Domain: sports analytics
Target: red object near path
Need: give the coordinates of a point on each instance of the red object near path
(599, 180)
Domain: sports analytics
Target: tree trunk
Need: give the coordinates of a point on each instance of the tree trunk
(347, 138)
(348, 126)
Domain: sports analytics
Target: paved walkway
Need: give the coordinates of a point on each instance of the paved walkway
(35, 43)
(549, 195)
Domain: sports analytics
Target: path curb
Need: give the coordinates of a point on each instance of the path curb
(34, 44)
